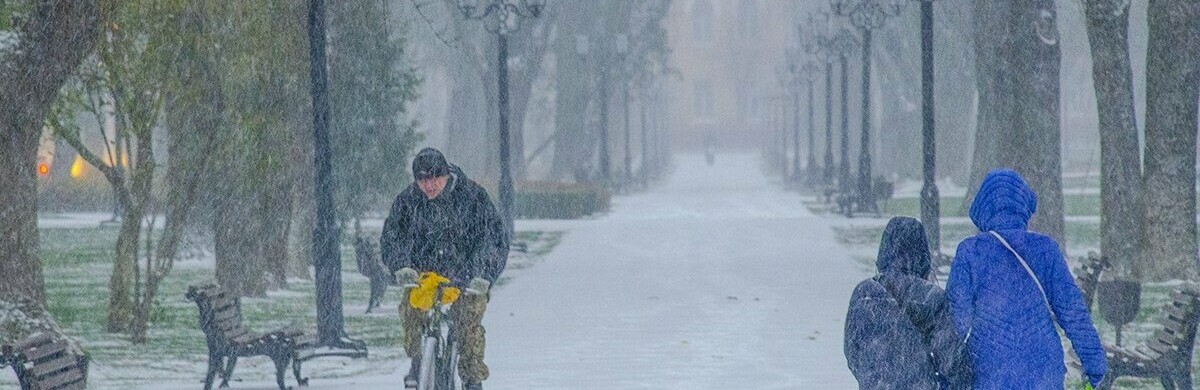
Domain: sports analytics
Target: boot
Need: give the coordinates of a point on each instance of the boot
(473, 386)
(410, 380)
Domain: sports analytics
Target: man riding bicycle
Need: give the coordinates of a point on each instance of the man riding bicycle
(446, 223)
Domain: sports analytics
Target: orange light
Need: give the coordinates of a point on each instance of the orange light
(43, 169)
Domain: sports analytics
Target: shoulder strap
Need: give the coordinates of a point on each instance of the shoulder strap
(899, 304)
(1028, 270)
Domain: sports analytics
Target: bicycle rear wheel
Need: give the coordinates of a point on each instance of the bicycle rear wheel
(428, 377)
(448, 368)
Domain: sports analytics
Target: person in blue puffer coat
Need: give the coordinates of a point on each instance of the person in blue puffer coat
(997, 305)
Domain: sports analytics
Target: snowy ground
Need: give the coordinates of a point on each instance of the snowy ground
(717, 279)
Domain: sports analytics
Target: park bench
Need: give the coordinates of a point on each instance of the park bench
(1087, 276)
(1168, 354)
(46, 361)
(228, 338)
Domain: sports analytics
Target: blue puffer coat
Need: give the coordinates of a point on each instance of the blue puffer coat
(995, 303)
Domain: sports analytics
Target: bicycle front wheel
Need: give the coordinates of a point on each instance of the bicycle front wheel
(427, 378)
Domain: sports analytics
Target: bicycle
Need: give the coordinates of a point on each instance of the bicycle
(439, 349)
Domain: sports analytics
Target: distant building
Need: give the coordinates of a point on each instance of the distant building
(727, 53)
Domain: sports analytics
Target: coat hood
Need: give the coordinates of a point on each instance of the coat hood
(1004, 202)
(904, 248)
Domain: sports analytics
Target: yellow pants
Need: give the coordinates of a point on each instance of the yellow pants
(467, 315)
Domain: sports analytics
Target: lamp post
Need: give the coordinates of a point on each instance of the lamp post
(809, 71)
(819, 43)
(811, 41)
(930, 208)
(841, 45)
(788, 163)
(794, 81)
(500, 17)
(622, 44)
(643, 171)
(327, 259)
(867, 16)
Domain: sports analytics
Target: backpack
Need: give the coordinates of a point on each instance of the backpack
(884, 346)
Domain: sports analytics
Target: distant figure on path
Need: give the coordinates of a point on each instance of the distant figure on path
(899, 333)
(1009, 286)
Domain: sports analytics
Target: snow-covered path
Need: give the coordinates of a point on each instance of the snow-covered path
(716, 279)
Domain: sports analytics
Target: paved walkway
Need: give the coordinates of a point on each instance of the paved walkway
(717, 279)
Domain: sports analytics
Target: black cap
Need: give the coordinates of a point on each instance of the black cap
(429, 163)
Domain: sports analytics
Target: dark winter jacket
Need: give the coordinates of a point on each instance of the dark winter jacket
(1011, 333)
(899, 333)
(459, 234)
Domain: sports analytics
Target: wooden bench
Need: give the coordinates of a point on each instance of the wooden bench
(228, 338)
(1087, 276)
(1168, 354)
(46, 361)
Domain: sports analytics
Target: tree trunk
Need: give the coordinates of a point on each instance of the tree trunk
(1037, 132)
(237, 231)
(1172, 90)
(276, 224)
(304, 204)
(56, 37)
(992, 38)
(120, 299)
(192, 127)
(572, 153)
(1017, 59)
(1120, 161)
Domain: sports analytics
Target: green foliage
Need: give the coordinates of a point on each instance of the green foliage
(370, 88)
(560, 200)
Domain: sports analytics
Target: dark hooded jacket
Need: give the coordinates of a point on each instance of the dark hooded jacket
(1011, 333)
(459, 234)
(899, 333)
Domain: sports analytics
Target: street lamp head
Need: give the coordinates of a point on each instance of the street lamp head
(810, 71)
(535, 7)
(841, 7)
(868, 14)
(467, 7)
(843, 43)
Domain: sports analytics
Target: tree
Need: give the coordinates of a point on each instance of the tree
(577, 77)
(370, 87)
(572, 151)
(1120, 162)
(251, 204)
(1172, 91)
(124, 77)
(473, 123)
(193, 109)
(55, 37)
(1017, 67)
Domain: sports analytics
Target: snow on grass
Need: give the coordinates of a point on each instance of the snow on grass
(77, 257)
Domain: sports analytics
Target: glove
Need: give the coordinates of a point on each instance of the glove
(406, 277)
(478, 286)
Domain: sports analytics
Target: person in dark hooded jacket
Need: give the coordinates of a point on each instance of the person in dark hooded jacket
(997, 303)
(446, 223)
(899, 332)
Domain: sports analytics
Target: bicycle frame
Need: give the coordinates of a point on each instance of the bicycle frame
(439, 329)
